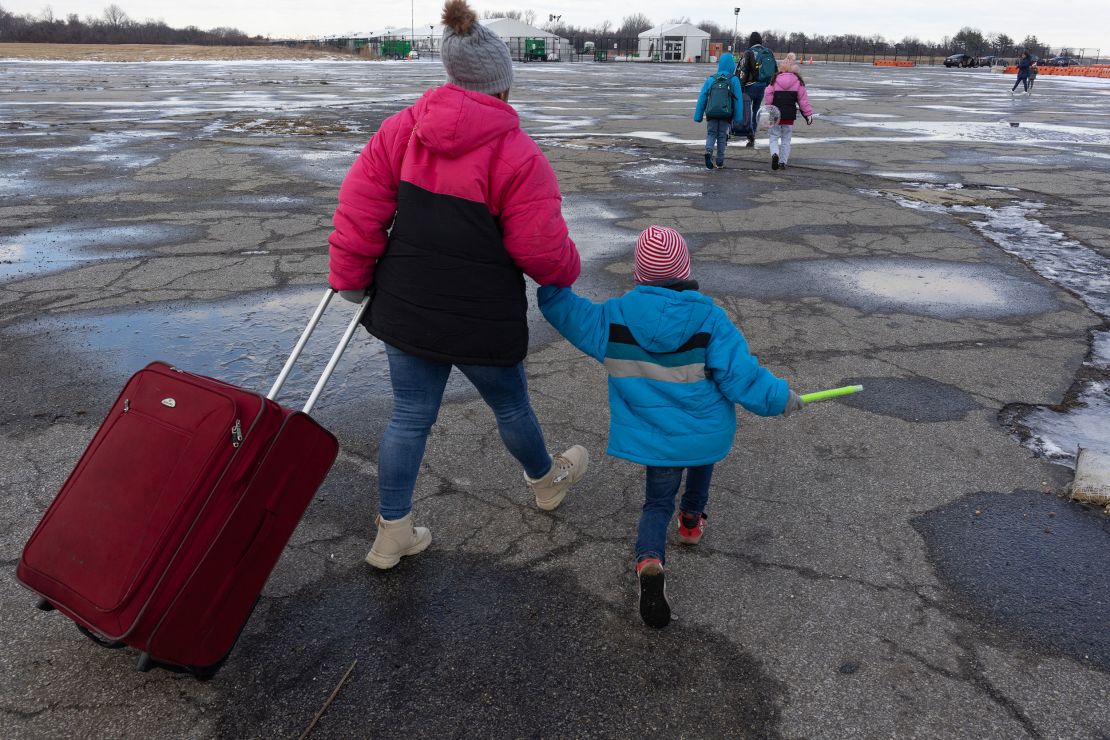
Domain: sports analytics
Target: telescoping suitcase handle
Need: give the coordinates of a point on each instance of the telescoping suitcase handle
(330, 368)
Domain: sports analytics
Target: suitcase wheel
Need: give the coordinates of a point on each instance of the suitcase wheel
(110, 644)
(200, 673)
(44, 606)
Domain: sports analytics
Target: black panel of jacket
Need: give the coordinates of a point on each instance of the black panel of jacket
(446, 289)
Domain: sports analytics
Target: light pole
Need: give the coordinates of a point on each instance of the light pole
(735, 22)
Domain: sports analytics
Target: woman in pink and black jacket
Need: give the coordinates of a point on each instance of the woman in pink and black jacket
(787, 92)
(445, 210)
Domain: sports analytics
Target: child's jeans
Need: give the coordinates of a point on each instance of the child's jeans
(716, 132)
(781, 133)
(417, 392)
(662, 486)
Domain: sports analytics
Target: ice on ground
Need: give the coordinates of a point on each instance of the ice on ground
(1055, 434)
(1100, 350)
(994, 132)
(1058, 435)
(592, 227)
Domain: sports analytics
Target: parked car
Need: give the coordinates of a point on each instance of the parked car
(961, 60)
(1061, 61)
(990, 61)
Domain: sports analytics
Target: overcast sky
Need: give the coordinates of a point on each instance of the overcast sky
(1080, 23)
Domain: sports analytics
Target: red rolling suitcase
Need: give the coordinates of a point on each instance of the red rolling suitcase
(165, 532)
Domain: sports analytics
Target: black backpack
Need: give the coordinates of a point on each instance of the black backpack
(718, 104)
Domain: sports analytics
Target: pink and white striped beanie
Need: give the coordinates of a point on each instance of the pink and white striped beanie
(661, 254)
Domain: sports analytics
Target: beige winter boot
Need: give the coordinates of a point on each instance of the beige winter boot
(396, 539)
(566, 470)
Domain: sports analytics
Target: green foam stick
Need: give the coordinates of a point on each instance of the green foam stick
(846, 390)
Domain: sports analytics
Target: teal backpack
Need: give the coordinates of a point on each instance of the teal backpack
(718, 104)
(765, 64)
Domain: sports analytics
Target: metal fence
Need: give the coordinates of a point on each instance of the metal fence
(693, 49)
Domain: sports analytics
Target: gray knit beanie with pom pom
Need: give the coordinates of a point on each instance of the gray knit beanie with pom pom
(475, 57)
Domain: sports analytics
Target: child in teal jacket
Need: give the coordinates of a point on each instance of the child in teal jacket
(677, 368)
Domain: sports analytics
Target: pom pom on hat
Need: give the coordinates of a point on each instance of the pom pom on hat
(661, 254)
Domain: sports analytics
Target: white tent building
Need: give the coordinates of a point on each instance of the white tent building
(674, 42)
(516, 34)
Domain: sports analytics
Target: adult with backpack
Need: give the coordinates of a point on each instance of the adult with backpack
(720, 104)
(757, 70)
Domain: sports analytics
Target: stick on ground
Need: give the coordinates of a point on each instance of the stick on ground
(334, 693)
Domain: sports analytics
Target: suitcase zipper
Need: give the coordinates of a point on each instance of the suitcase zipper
(236, 433)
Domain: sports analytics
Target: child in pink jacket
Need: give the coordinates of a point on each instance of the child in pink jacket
(787, 92)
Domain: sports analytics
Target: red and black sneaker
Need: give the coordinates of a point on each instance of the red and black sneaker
(654, 609)
(691, 527)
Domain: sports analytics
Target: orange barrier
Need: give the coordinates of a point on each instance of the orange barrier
(1086, 71)
(892, 63)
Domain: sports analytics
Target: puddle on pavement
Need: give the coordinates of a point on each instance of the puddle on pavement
(1057, 258)
(1053, 433)
(245, 340)
(1029, 565)
(920, 287)
(59, 247)
(911, 399)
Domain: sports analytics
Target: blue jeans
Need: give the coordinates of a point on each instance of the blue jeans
(716, 133)
(754, 93)
(662, 486)
(417, 393)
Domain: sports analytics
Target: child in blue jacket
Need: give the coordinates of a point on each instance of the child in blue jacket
(677, 367)
(719, 124)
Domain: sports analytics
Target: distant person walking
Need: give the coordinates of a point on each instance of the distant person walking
(445, 210)
(787, 93)
(720, 103)
(1025, 66)
(757, 70)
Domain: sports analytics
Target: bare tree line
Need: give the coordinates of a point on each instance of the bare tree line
(113, 26)
(969, 40)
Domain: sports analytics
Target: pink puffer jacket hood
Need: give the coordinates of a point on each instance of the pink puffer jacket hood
(461, 144)
(451, 121)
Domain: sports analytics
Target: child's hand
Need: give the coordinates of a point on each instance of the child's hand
(793, 403)
(809, 120)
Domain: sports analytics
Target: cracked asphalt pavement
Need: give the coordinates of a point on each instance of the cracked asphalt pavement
(893, 564)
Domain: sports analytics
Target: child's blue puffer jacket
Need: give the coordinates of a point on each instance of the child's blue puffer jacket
(677, 366)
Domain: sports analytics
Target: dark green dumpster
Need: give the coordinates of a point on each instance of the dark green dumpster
(535, 50)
